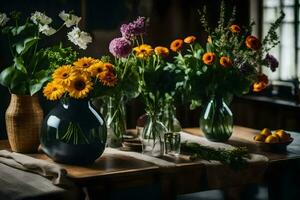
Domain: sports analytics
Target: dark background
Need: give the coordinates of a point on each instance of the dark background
(170, 19)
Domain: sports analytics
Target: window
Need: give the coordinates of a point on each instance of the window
(288, 51)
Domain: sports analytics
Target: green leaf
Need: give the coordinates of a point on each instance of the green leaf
(6, 76)
(15, 80)
(40, 78)
(19, 64)
(25, 45)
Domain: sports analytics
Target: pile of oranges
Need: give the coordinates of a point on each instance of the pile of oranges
(279, 136)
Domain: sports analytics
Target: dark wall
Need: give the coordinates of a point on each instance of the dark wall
(170, 19)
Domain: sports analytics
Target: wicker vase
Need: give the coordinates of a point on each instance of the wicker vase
(24, 117)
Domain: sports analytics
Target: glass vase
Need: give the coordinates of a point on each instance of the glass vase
(74, 132)
(115, 121)
(169, 118)
(216, 120)
(153, 135)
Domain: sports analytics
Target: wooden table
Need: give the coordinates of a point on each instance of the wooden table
(114, 172)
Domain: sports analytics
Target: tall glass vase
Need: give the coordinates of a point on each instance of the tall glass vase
(216, 120)
(152, 135)
(115, 121)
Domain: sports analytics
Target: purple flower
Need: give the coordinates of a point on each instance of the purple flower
(140, 25)
(134, 28)
(271, 62)
(120, 47)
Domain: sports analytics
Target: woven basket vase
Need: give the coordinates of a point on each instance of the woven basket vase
(24, 117)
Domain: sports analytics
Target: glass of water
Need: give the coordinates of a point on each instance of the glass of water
(172, 143)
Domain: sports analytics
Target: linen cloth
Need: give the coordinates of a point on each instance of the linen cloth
(219, 175)
(24, 177)
(157, 161)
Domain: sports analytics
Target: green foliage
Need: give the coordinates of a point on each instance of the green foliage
(201, 81)
(235, 158)
(32, 65)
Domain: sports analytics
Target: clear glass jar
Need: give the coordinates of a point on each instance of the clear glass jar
(153, 135)
(115, 121)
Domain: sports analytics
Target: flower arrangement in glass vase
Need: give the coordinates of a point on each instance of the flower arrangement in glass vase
(74, 126)
(34, 59)
(126, 69)
(228, 64)
(155, 82)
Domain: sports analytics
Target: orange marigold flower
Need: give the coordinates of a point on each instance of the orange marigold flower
(261, 83)
(109, 67)
(209, 58)
(235, 28)
(225, 61)
(189, 39)
(161, 51)
(252, 42)
(108, 78)
(176, 45)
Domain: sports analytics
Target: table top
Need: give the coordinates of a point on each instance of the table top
(119, 165)
(243, 136)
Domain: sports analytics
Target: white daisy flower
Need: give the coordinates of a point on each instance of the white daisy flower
(69, 19)
(79, 38)
(46, 29)
(40, 18)
(3, 19)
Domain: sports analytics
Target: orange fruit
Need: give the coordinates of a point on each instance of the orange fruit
(272, 139)
(283, 136)
(260, 138)
(266, 132)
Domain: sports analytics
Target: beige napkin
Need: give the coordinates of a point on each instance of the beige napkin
(41, 167)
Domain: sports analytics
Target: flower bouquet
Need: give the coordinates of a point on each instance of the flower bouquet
(228, 64)
(74, 132)
(155, 83)
(127, 73)
(31, 68)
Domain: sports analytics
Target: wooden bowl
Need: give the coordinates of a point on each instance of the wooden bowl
(274, 147)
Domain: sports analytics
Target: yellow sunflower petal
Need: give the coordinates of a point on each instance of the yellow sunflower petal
(85, 62)
(63, 75)
(80, 87)
(53, 91)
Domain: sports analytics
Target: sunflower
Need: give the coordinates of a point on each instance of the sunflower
(176, 45)
(235, 28)
(209, 58)
(53, 91)
(252, 42)
(80, 87)
(63, 75)
(161, 51)
(189, 39)
(225, 62)
(84, 63)
(143, 51)
(108, 78)
(96, 69)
